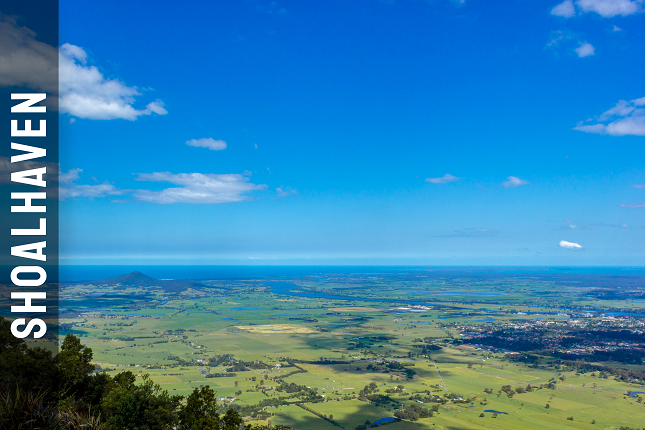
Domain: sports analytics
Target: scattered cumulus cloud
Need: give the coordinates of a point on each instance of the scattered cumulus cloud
(197, 188)
(564, 9)
(212, 144)
(25, 61)
(625, 119)
(7, 167)
(285, 191)
(514, 181)
(604, 8)
(443, 179)
(86, 93)
(68, 188)
(569, 39)
(570, 245)
(616, 28)
(558, 36)
(610, 8)
(591, 225)
(585, 49)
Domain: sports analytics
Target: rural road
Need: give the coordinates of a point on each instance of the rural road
(439, 373)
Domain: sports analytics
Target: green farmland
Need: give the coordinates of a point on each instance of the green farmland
(323, 362)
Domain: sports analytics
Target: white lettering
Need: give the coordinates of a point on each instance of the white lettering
(33, 152)
(28, 282)
(28, 105)
(27, 131)
(23, 251)
(27, 197)
(27, 331)
(27, 297)
(41, 231)
(23, 177)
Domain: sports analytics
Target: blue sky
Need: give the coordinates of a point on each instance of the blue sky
(362, 132)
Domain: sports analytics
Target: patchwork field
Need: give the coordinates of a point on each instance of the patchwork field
(312, 359)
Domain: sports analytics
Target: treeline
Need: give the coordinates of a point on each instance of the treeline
(625, 356)
(40, 390)
(220, 375)
(413, 413)
(604, 371)
(321, 361)
(393, 367)
(234, 364)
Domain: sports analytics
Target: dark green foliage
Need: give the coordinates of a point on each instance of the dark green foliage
(413, 413)
(20, 366)
(231, 420)
(73, 362)
(42, 391)
(139, 407)
(200, 411)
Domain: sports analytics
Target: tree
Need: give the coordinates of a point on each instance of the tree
(74, 364)
(200, 411)
(231, 420)
(139, 407)
(24, 367)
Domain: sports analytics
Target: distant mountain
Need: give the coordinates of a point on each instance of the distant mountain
(138, 279)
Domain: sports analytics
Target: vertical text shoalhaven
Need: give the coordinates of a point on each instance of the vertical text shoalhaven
(30, 274)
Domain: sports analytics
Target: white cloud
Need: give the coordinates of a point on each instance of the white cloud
(633, 205)
(212, 144)
(513, 181)
(616, 28)
(638, 186)
(585, 50)
(285, 191)
(86, 93)
(592, 225)
(604, 8)
(570, 245)
(83, 90)
(68, 188)
(25, 61)
(610, 8)
(564, 9)
(7, 167)
(558, 36)
(626, 118)
(197, 188)
(443, 179)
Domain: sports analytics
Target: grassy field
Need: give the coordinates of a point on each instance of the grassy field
(331, 346)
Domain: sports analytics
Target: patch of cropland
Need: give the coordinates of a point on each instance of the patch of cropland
(418, 349)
